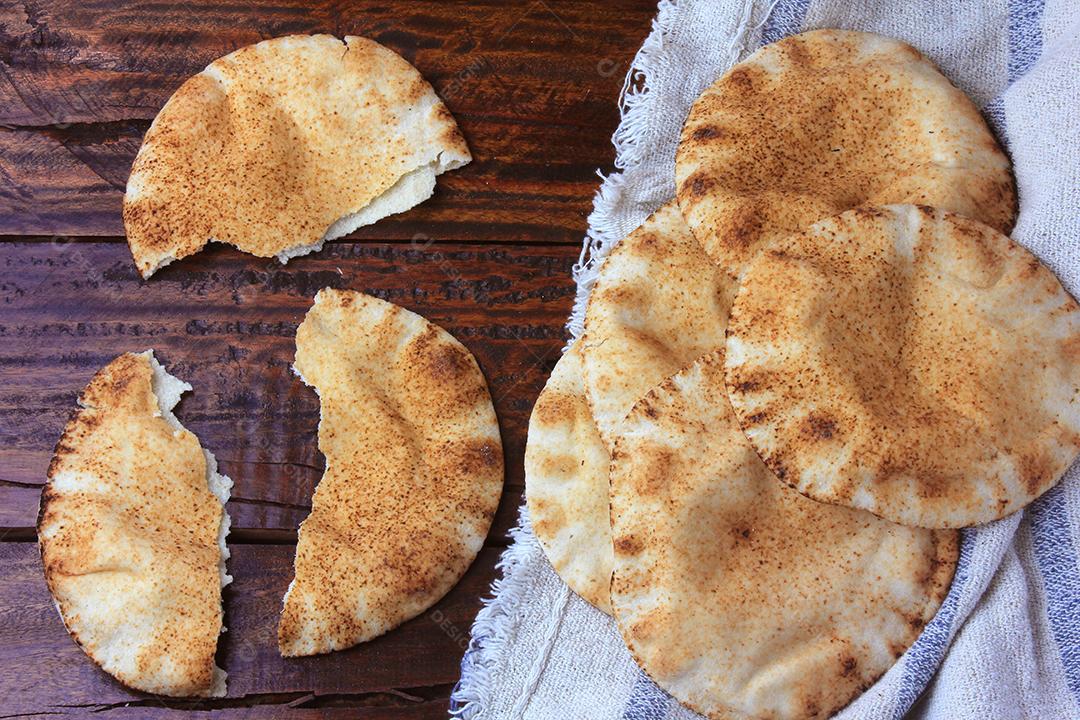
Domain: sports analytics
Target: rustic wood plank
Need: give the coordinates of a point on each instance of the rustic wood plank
(260, 708)
(532, 81)
(533, 84)
(276, 707)
(407, 673)
(225, 322)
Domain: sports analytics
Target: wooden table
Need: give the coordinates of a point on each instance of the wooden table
(534, 87)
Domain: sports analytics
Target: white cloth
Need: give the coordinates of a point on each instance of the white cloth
(1006, 642)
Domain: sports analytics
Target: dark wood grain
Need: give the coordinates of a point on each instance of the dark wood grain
(407, 673)
(532, 83)
(226, 322)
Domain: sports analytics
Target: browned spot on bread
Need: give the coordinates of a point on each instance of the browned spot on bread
(443, 113)
(744, 227)
(1070, 347)
(622, 295)
(699, 184)
(1036, 468)
(628, 545)
(445, 362)
(820, 426)
(915, 622)
(746, 386)
(741, 78)
(480, 457)
(643, 629)
(707, 132)
(870, 212)
(554, 408)
(756, 419)
(797, 53)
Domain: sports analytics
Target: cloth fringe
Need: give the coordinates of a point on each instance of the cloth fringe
(489, 631)
(632, 140)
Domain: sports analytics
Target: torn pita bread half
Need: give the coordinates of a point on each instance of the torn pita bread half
(738, 595)
(824, 121)
(414, 470)
(132, 532)
(910, 362)
(566, 483)
(282, 145)
(657, 305)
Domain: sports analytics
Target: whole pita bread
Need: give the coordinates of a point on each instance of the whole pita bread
(414, 470)
(658, 304)
(132, 532)
(825, 121)
(566, 483)
(282, 145)
(909, 362)
(738, 595)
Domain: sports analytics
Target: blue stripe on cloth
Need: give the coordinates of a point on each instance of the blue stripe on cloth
(647, 701)
(1056, 558)
(1025, 36)
(1025, 47)
(995, 113)
(923, 657)
(785, 18)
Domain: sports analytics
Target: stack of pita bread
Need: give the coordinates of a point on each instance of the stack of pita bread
(799, 379)
(275, 149)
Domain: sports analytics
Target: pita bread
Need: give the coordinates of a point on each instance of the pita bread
(909, 362)
(566, 483)
(658, 304)
(825, 121)
(414, 469)
(738, 595)
(282, 145)
(132, 532)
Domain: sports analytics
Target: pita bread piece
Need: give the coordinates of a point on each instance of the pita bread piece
(658, 304)
(909, 362)
(414, 470)
(825, 121)
(132, 532)
(282, 145)
(738, 595)
(566, 483)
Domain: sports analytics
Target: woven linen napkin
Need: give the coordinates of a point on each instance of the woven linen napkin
(1006, 641)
